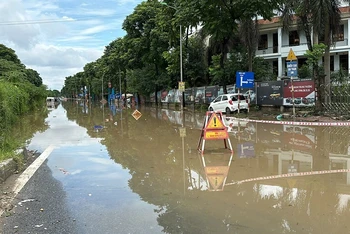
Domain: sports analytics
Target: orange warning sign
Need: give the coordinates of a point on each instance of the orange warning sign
(215, 135)
(216, 176)
(213, 129)
(215, 123)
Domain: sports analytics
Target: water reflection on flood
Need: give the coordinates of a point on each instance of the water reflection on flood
(199, 194)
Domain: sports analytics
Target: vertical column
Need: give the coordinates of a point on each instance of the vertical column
(347, 174)
(279, 36)
(336, 62)
(280, 66)
(348, 39)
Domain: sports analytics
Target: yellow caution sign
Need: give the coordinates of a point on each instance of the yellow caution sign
(216, 176)
(182, 132)
(136, 114)
(182, 86)
(215, 123)
(291, 55)
(216, 181)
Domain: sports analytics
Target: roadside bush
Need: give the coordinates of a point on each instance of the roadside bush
(16, 99)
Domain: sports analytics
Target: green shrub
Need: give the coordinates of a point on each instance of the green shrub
(16, 99)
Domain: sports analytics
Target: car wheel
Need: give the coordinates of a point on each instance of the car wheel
(228, 111)
(211, 109)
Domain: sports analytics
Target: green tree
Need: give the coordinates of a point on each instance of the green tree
(313, 58)
(9, 54)
(323, 18)
(33, 77)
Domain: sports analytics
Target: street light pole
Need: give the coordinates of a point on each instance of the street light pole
(102, 86)
(181, 75)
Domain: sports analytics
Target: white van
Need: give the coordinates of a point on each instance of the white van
(50, 100)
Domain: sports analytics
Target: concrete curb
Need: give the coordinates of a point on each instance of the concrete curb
(7, 168)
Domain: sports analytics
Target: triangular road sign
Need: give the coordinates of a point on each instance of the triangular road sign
(291, 55)
(216, 181)
(215, 122)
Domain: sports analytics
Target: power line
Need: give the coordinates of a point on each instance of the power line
(48, 21)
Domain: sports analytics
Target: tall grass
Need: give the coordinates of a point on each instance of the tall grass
(16, 99)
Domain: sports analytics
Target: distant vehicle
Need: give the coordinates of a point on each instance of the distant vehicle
(52, 102)
(228, 103)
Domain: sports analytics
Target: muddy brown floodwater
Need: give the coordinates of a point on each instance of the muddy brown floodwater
(279, 178)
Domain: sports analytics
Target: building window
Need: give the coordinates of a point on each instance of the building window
(294, 38)
(332, 63)
(263, 44)
(275, 42)
(340, 35)
(344, 62)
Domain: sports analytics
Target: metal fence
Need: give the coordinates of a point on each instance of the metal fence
(337, 99)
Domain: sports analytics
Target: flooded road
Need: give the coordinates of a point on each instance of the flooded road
(110, 173)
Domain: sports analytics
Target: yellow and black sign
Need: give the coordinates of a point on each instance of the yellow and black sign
(182, 132)
(214, 123)
(216, 176)
(182, 86)
(291, 55)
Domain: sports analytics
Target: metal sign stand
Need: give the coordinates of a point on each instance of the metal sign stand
(216, 175)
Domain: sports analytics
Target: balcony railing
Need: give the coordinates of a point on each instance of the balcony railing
(288, 45)
(268, 50)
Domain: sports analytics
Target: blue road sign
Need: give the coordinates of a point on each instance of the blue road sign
(246, 150)
(245, 80)
(292, 69)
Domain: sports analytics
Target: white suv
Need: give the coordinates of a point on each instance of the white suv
(229, 103)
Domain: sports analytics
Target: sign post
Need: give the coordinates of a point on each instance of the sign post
(244, 80)
(292, 71)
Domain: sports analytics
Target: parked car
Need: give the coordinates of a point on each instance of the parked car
(228, 103)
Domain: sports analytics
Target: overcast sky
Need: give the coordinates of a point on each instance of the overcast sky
(58, 37)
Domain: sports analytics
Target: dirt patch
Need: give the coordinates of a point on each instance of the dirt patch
(6, 188)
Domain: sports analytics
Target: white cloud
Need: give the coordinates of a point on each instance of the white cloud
(55, 63)
(95, 29)
(58, 37)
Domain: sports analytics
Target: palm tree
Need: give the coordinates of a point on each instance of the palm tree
(249, 34)
(326, 18)
(322, 17)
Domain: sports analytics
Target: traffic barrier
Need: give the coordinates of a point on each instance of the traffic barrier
(291, 122)
(290, 175)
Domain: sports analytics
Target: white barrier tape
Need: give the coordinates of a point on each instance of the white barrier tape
(290, 175)
(291, 122)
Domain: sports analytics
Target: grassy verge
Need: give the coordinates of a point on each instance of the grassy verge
(16, 101)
